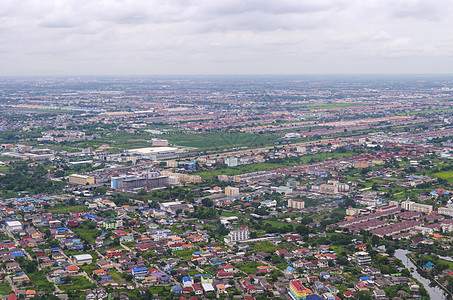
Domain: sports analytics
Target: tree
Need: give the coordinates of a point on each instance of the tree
(207, 202)
(390, 251)
(375, 240)
(363, 295)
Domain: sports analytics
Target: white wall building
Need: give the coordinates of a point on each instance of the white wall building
(412, 206)
(13, 225)
(448, 211)
(240, 234)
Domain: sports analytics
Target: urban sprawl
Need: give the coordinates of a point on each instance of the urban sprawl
(250, 188)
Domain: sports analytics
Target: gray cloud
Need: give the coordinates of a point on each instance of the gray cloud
(223, 36)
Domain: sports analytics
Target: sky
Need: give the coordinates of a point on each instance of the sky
(178, 37)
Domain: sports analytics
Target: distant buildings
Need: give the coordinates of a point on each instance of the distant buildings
(231, 161)
(183, 177)
(296, 203)
(412, 206)
(232, 191)
(131, 182)
(81, 179)
(172, 207)
(159, 142)
(445, 211)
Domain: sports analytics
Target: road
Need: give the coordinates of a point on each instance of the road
(16, 242)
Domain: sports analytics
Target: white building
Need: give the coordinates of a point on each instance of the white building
(13, 225)
(301, 149)
(412, 206)
(231, 161)
(448, 211)
(81, 259)
(240, 234)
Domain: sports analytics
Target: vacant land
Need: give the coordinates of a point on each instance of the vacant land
(221, 140)
(448, 175)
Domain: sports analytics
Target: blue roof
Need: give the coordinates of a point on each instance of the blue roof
(314, 297)
(186, 278)
(176, 288)
(365, 278)
(139, 269)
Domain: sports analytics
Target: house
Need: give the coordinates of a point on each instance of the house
(19, 277)
(250, 289)
(112, 253)
(71, 269)
(228, 268)
(13, 267)
(197, 289)
(187, 281)
(348, 294)
(100, 272)
(140, 272)
(224, 275)
(207, 287)
(206, 278)
(379, 294)
(361, 286)
(104, 264)
(221, 289)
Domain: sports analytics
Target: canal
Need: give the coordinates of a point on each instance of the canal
(435, 292)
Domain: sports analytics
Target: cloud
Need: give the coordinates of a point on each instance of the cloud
(202, 36)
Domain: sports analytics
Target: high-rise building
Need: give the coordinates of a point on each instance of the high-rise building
(231, 191)
(296, 203)
(240, 234)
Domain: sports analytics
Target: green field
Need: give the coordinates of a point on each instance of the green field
(40, 281)
(333, 105)
(77, 285)
(221, 140)
(68, 209)
(249, 268)
(186, 254)
(5, 288)
(448, 175)
(271, 166)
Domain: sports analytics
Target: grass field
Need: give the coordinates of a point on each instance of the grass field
(264, 247)
(86, 234)
(271, 166)
(5, 288)
(78, 283)
(221, 140)
(40, 281)
(68, 209)
(186, 254)
(448, 175)
(333, 105)
(115, 276)
(249, 268)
